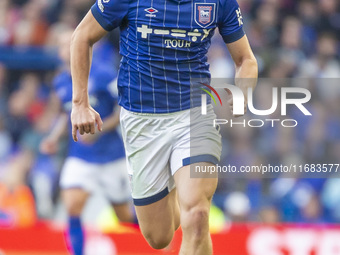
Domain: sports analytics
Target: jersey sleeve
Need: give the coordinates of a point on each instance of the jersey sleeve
(230, 21)
(110, 13)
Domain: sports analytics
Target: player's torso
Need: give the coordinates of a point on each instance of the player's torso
(164, 46)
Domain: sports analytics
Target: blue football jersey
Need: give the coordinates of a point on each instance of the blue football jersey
(164, 45)
(109, 146)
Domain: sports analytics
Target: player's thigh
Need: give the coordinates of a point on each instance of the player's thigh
(160, 217)
(148, 149)
(74, 200)
(198, 146)
(194, 191)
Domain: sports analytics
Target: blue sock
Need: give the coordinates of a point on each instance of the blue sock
(76, 235)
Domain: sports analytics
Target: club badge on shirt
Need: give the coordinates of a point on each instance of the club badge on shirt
(204, 14)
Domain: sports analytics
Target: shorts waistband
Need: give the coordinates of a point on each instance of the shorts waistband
(141, 114)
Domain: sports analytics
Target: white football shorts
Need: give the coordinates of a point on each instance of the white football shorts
(111, 178)
(157, 145)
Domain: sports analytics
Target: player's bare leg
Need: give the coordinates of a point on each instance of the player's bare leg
(123, 212)
(158, 221)
(194, 196)
(74, 200)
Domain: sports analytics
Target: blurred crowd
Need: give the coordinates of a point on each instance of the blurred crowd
(291, 39)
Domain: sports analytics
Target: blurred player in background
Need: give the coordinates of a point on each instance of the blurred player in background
(164, 46)
(96, 161)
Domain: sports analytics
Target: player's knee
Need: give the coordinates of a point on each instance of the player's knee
(157, 240)
(195, 221)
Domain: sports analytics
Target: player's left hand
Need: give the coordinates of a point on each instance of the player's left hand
(84, 119)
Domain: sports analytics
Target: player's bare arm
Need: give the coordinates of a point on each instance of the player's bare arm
(83, 116)
(49, 145)
(245, 66)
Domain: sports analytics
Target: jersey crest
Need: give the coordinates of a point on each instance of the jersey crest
(205, 14)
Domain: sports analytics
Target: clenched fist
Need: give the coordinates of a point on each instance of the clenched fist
(84, 118)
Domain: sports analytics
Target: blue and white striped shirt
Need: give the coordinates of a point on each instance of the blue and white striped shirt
(164, 45)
